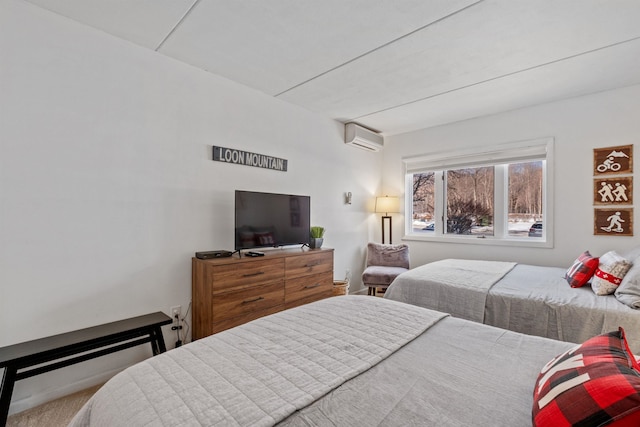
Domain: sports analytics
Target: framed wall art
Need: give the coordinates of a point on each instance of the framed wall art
(613, 221)
(613, 160)
(613, 191)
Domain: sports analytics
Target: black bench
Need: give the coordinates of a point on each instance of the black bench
(91, 342)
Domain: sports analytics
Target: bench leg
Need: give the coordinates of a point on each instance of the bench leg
(157, 341)
(6, 390)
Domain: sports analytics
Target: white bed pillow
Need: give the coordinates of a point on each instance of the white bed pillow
(610, 273)
(629, 290)
(632, 254)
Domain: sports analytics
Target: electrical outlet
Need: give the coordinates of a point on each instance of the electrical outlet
(176, 310)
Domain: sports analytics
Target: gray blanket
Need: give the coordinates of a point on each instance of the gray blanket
(530, 299)
(457, 374)
(455, 286)
(261, 372)
(538, 301)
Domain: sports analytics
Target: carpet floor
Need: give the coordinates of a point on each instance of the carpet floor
(57, 413)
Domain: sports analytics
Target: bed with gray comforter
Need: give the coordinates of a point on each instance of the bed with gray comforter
(530, 299)
(346, 361)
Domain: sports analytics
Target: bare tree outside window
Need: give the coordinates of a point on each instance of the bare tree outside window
(423, 201)
(469, 195)
(525, 195)
(470, 200)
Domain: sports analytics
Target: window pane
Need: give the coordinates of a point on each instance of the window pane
(469, 194)
(423, 197)
(525, 199)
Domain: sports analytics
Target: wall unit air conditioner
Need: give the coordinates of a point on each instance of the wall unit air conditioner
(363, 138)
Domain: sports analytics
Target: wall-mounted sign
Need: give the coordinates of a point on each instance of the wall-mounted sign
(612, 160)
(613, 222)
(613, 191)
(239, 157)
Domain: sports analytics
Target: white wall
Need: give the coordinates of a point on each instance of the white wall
(107, 186)
(578, 126)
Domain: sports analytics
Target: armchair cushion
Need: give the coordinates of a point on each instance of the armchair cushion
(388, 255)
(381, 275)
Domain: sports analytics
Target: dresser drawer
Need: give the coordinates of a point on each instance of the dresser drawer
(320, 285)
(243, 318)
(255, 298)
(297, 266)
(247, 274)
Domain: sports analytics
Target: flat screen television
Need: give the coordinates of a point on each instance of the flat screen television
(271, 220)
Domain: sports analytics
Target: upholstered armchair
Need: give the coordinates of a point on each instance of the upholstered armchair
(384, 263)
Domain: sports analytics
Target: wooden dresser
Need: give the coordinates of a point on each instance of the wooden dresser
(227, 292)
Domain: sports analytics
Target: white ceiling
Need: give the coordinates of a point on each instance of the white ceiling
(393, 66)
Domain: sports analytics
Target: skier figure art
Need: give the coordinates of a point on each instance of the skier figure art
(616, 221)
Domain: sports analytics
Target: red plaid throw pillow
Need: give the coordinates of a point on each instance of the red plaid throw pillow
(594, 384)
(582, 270)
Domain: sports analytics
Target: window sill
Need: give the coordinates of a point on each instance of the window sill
(469, 240)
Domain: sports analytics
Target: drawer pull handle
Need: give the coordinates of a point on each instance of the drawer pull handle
(248, 301)
(253, 274)
(312, 286)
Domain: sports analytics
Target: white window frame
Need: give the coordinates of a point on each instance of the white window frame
(499, 156)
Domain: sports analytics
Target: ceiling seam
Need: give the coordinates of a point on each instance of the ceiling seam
(382, 46)
(178, 23)
(495, 78)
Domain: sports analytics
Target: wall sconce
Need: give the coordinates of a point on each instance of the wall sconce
(387, 205)
(347, 198)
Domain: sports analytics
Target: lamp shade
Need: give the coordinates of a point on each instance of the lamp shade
(387, 204)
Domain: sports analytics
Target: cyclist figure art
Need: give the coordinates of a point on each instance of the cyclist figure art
(609, 164)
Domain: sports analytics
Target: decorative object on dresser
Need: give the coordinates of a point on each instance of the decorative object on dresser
(227, 292)
(317, 237)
